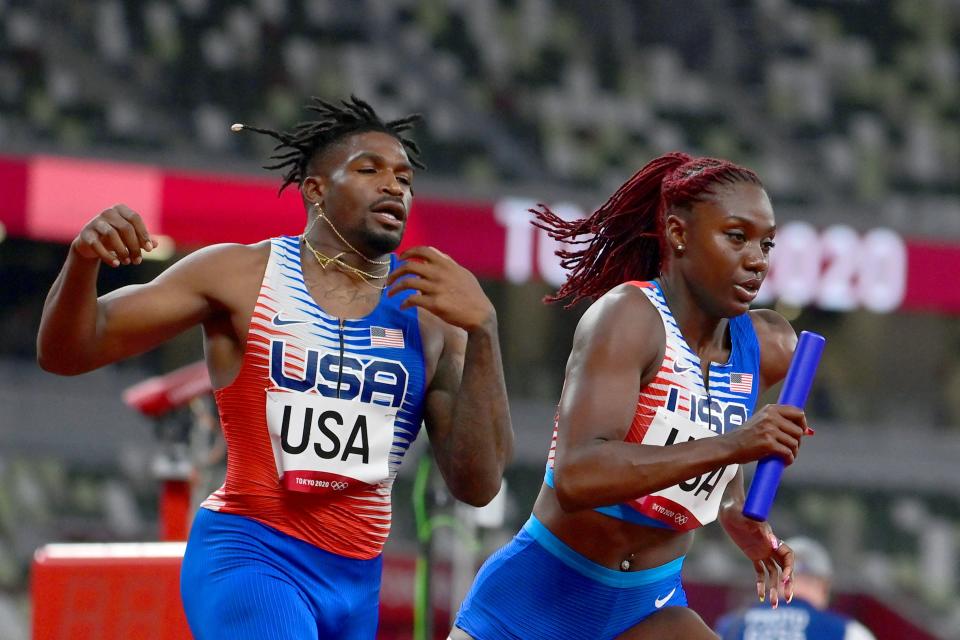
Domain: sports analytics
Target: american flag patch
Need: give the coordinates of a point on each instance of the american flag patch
(383, 337)
(741, 382)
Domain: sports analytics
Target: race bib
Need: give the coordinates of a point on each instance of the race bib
(692, 503)
(328, 445)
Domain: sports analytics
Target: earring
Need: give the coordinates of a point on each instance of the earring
(680, 248)
(318, 213)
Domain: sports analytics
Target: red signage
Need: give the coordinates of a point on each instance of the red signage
(836, 268)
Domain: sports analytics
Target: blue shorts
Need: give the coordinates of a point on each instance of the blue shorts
(244, 580)
(537, 587)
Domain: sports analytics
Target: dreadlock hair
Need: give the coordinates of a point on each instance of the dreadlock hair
(626, 234)
(298, 146)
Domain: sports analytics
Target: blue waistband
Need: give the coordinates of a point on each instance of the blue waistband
(591, 569)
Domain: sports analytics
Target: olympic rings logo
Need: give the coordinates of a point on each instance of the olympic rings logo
(339, 486)
(681, 519)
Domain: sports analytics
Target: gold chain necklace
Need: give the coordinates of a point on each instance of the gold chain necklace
(325, 261)
(322, 214)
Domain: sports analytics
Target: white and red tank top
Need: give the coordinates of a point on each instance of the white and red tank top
(688, 407)
(321, 414)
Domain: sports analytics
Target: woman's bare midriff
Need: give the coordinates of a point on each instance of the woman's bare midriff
(609, 541)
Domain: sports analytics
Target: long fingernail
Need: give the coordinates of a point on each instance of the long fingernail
(790, 597)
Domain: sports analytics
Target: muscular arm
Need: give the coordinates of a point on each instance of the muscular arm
(618, 347)
(466, 410)
(80, 332)
(468, 418)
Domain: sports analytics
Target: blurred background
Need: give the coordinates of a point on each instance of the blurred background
(848, 109)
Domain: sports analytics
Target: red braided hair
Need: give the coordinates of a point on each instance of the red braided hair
(626, 234)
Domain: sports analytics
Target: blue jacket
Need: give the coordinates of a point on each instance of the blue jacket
(798, 620)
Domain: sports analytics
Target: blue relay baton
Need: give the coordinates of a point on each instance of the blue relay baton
(796, 388)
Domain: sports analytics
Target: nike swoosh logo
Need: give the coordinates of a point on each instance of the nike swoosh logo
(678, 369)
(280, 322)
(659, 602)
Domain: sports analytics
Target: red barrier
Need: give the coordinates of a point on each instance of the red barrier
(131, 591)
(159, 395)
(108, 591)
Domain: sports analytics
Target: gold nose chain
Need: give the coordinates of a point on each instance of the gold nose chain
(325, 261)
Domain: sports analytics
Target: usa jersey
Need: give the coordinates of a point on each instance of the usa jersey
(725, 402)
(321, 414)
